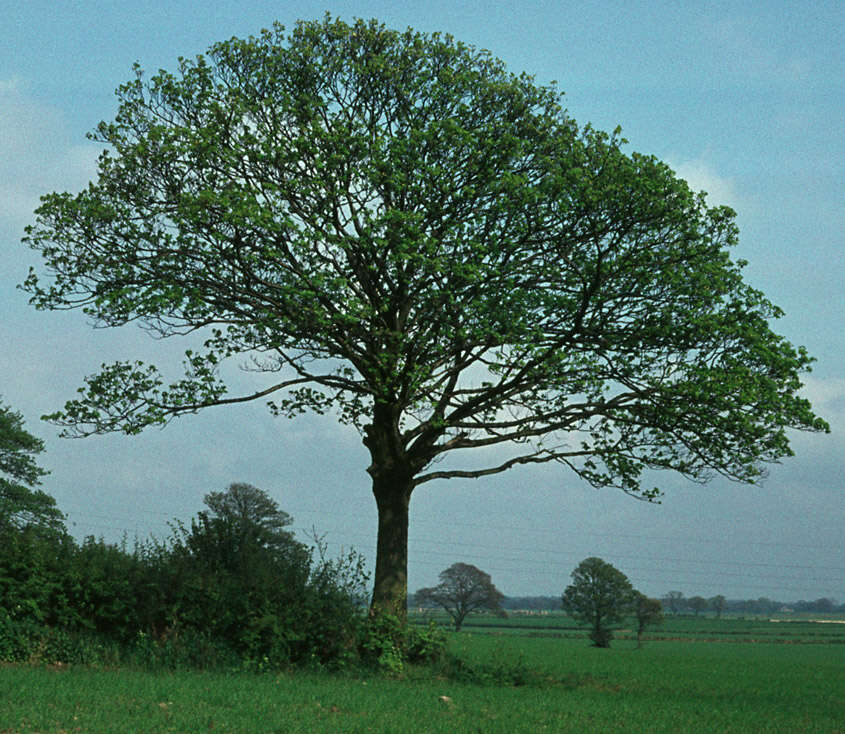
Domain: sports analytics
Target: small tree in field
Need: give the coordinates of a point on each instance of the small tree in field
(599, 595)
(718, 604)
(463, 589)
(675, 601)
(698, 604)
(648, 612)
(391, 226)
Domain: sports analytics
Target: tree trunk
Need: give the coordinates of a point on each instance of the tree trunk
(390, 587)
(393, 482)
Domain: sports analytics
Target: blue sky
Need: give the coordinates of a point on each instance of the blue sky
(744, 99)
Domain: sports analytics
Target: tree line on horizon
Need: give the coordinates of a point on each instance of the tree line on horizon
(694, 605)
(600, 597)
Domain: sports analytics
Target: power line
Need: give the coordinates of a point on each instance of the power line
(425, 549)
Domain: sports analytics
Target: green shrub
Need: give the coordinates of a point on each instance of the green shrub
(187, 650)
(27, 641)
(389, 643)
(232, 589)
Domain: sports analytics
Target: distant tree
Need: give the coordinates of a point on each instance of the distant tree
(764, 605)
(600, 595)
(252, 512)
(824, 605)
(697, 604)
(21, 505)
(395, 228)
(674, 600)
(533, 603)
(649, 612)
(718, 604)
(463, 589)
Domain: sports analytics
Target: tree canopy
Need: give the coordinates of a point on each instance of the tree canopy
(242, 533)
(391, 226)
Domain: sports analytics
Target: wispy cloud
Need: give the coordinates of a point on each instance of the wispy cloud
(755, 55)
(37, 155)
(702, 176)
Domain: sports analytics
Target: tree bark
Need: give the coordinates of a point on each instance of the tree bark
(393, 482)
(390, 587)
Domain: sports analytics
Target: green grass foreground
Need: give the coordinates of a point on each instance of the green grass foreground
(667, 686)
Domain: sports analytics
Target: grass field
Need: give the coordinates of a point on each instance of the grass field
(683, 627)
(686, 684)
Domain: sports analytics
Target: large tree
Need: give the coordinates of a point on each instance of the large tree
(463, 589)
(392, 226)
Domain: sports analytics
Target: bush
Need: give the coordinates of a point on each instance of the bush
(233, 588)
(188, 650)
(30, 642)
(389, 644)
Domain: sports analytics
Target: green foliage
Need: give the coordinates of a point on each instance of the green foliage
(184, 650)
(33, 565)
(600, 595)
(252, 515)
(499, 667)
(235, 585)
(648, 612)
(20, 504)
(26, 640)
(235, 574)
(103, 585)
(390, 644)
(384, 643)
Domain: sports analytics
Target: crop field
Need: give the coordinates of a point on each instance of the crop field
(684, 627)
(694, 675)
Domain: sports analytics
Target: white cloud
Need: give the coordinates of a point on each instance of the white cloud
(827, 396)
(702, 176)
(37, 155)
